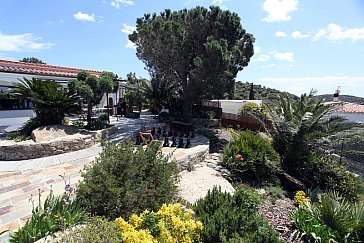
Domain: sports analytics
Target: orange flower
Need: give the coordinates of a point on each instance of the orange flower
(238, 156)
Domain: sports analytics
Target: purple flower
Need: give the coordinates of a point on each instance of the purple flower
(68, 188)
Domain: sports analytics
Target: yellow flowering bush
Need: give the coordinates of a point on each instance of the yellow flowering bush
(170, 225)
(301, 198)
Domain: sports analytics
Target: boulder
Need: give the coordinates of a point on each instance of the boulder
(290, 182)
(47, 133)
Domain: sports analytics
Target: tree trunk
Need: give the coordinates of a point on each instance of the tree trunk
(107, 109)
(89, 112)
(187, 101)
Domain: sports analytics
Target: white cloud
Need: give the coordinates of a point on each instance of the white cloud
(336, 32)
(270, 65)
(320, 34)
(218, 2)
(298, 35)
(284, 56)
(130, 44)
(257, 49)
(84, 16)
(117, 3)
(280, 34)
(263, 58)
(128, 29)
(22, 42)
(278, 10)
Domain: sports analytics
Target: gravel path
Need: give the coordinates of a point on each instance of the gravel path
(195, 184)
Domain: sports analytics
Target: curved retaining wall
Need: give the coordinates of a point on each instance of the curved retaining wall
(26, 150)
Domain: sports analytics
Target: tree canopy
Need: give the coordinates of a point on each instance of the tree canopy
(200, 49)
(92, 88)
(32, 60)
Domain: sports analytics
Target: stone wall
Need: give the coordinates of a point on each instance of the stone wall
(32, 150)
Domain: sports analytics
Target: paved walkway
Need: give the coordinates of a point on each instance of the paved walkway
(21, 180)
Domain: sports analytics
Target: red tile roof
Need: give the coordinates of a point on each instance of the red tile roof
(351, 108)
(41, 69)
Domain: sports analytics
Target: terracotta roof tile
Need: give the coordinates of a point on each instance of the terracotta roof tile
(351, 108)
(41, 69)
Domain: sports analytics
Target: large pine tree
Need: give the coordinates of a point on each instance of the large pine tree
(200, 49)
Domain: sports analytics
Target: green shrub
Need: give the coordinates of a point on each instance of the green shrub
(30, 125)
(209, 134)
(124, 180)
(275, 192)
(57, 213)
(79, 124)
(309, 227)
(232, 218)
(95, 124)
(103, 116)
(96, 230)
(330, 175)
(332, 219)
(249, 107)
(252, 155)
(17, 137)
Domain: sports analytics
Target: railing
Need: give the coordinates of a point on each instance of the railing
(246, 121)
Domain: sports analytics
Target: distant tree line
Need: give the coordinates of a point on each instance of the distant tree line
(32, 60)
(247, 91)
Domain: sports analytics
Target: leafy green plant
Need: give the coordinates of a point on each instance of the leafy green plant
(126, 180)
(232, 218)
(331, 218)
(51, 101)
(252, 155)
(211, 135)
(79, 124)
(96, 229)
(301, 127)
(16, 137)
(249, 107)
(210, 114)
(57, 213)
(275, 192)
(30, 125)
(328, 174)
(95, 124)
(103, 116)
(309, 227)
(92, 88)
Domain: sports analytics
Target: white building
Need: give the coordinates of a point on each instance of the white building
(12, 72)
(233, 106)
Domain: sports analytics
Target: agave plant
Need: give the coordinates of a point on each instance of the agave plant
(345, 218)
(51, 102)
(332, 219)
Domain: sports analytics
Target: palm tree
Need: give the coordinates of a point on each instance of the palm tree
(51, 102)
(304, 126)
(160, 91)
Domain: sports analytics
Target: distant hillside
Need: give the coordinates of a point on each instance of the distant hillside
(345, 98)
(268, 95)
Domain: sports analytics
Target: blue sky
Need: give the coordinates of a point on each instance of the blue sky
(299, 44)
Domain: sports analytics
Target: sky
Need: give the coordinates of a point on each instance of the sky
(299, 45)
